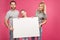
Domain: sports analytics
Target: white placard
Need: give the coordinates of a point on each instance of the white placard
(25, 27)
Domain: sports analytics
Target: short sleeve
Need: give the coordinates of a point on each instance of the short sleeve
(7, 15)
(45, 16)
(36, 13)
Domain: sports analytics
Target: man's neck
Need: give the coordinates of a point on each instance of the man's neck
(13, 9)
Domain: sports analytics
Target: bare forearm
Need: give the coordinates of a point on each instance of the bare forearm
(43, 22)
(6, 23)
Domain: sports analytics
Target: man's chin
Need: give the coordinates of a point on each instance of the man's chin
(13, 8)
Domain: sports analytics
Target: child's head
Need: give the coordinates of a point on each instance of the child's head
(23, 12)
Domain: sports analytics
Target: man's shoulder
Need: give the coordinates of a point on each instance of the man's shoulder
(8, 11)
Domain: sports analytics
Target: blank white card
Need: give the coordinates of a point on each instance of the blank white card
(25, 27)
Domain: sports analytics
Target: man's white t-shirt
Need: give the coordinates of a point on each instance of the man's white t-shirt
(10, 15)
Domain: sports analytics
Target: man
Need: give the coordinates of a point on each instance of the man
(12, 13)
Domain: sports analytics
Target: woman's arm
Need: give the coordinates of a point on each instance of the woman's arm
(44, 22)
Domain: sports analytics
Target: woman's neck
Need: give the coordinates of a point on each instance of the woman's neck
(41, 11)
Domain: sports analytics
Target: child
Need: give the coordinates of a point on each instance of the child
(23, 12)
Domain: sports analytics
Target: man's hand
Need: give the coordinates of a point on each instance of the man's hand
(11, 28)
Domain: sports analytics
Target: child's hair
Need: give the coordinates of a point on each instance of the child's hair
(22, 10)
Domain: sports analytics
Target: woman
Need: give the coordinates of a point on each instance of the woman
(41, 14)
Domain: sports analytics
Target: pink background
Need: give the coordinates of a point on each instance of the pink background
(51, 30)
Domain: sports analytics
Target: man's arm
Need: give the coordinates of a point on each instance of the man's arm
(6, 23)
